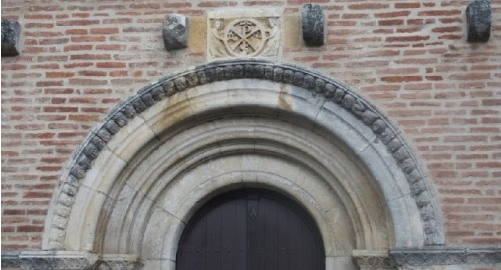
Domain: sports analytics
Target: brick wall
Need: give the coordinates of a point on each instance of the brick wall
(410, 58)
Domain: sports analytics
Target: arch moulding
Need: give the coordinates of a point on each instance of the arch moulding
(227, 112)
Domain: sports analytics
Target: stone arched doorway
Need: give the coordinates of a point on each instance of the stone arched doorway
(159, 156)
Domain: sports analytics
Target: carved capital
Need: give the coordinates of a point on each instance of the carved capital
(373, 260)
(119, 262)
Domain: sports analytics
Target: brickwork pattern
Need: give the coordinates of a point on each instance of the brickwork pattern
(410, 58)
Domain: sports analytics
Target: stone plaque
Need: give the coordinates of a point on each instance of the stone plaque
(243, 33)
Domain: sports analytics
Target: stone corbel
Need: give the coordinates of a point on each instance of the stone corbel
(175, 31)
(313, 21)
(478, 20)
(10, 38)
(373, 260)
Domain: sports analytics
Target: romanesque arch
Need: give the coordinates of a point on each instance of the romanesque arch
(158, 156)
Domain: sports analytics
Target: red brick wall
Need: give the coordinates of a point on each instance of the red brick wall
(408, 57)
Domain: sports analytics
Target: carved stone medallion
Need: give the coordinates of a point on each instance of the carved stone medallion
(238, 33)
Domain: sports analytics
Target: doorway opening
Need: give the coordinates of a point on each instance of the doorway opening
(251, 229)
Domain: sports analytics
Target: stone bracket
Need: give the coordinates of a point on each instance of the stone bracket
(69, 260)
(439, 255)
(10, 38)
(313, 21)
(175, 31)
(478, 20)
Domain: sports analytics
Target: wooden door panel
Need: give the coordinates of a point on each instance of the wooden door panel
(229, 233)
(214, 236)
(250, 230)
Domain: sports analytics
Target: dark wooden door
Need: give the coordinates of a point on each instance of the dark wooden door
(251, 230)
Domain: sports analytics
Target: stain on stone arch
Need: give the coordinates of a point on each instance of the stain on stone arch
(328, 88)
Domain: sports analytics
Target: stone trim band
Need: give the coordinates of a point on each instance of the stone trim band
(317, 84)
(68, 260)
(429, 256)
(365, 259)
(445, 256)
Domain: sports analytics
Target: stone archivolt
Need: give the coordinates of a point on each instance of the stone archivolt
(220, 71)
(136, 179)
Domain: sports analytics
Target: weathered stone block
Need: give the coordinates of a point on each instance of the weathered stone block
(478, 20)
(175, 32)
(313, 19)
(10, 38)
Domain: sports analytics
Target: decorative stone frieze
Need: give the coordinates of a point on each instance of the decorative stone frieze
(175, 31)
(313, 21)
(478, 20)
(330, 90)
(429, 256)
(119, 262)
(10, 38)
(69, 260)
(373, 260)
(10, 260)
(243, 33)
